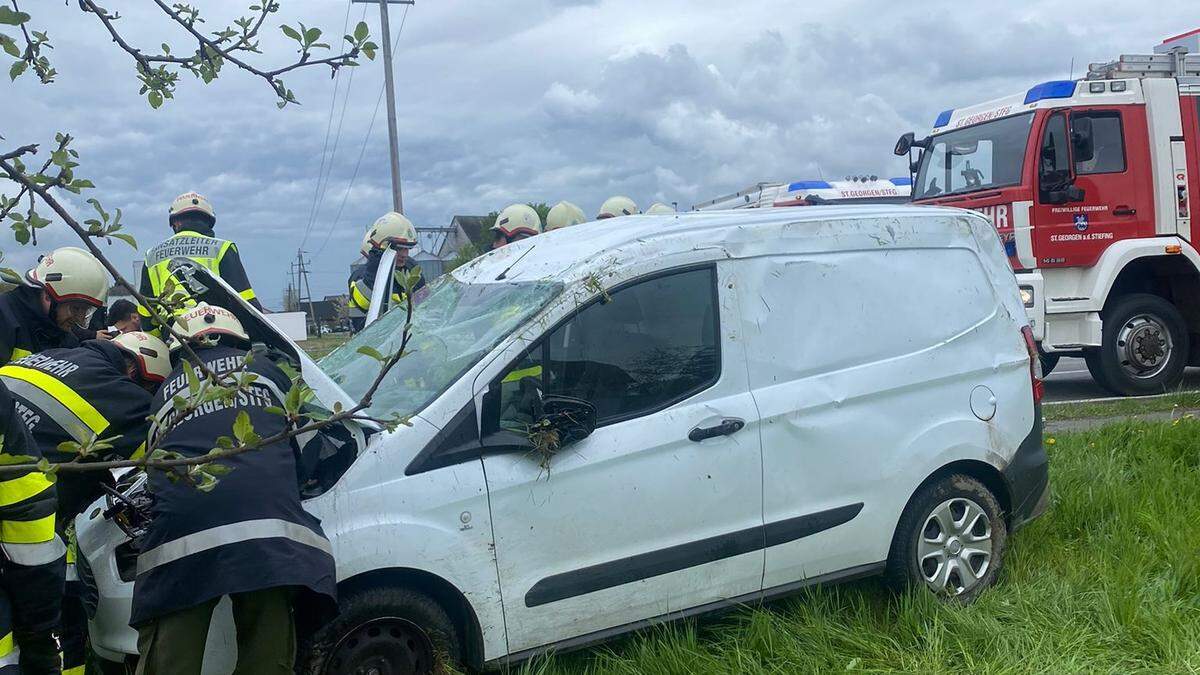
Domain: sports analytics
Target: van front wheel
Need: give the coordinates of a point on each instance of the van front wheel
(950, 540)
(384, 630)
(1144, 347)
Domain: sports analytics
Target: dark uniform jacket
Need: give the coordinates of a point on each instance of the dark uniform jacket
(362, 280)
(24, 327)
(75, 395)
(250, 532)
(33, 566)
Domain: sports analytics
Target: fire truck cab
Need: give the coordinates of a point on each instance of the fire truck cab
(1089, 184)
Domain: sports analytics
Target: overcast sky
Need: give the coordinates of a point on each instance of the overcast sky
(534, 100)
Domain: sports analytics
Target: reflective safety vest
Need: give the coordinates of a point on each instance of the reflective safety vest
(362, 280)
(33, 565)
(25, 328)
(77, 395)
(208, 252)
(251, 531)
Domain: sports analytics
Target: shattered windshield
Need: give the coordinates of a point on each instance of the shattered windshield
(979, 157)
(452, 328)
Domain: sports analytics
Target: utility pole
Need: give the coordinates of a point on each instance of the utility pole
(390, 87)
(304, 290)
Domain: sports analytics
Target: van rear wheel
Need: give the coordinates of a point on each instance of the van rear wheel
(950, 540)
(1144, 347)
(384, 631)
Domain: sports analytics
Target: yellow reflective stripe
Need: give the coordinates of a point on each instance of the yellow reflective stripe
(6, 645)
(18, 353)
(18, 490)
(216, 262)
(516, 375)
(85, 411)
(27, 531)
(247, 294)
(358, 299)
(77, 670)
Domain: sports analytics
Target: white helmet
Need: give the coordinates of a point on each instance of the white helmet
(564, 214)
(617, 206)
(152, 356)
(392, 229)
(71, 273)
(365, 247)
(192, 202)
(205, 323)
(660, 209)
(518, 219)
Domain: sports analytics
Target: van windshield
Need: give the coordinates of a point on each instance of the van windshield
(452, 328)
(979, 157)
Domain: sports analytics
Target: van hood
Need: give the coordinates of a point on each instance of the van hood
(206, 286)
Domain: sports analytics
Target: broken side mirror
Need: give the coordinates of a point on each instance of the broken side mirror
(573, 418)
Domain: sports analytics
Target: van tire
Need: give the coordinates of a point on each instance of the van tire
(904, 566)
(1139, 316)
(408, 615)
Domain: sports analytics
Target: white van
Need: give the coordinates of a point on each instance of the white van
(750, 402)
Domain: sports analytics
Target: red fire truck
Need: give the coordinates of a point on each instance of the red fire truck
(1089, 183)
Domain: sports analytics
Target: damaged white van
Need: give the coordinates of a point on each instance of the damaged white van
(748, 403)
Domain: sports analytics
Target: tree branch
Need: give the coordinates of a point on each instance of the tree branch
(30, 149)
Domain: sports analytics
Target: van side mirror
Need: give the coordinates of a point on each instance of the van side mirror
(573, 418)
(1083, 145)
(904, 144)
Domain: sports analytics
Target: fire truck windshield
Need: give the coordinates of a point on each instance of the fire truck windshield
(978, 157)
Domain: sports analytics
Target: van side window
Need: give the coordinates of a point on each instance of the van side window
(650, 345)
(1054, 160)
(1108, 155)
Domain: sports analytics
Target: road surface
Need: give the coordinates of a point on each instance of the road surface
(1070, 381)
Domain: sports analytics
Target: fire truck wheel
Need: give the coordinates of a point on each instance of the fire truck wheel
(1144, 347)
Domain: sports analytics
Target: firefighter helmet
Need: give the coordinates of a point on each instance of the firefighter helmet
(392, 229)
(518, 219)
(365, 247)
(660, 209)
(206, 323)
(71, 274)
(564, 214)
(192, 202)
(617, 206)
(150, 353)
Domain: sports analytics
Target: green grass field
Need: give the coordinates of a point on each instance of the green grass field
(1126, 406)
(1107, 581)
(318, 347)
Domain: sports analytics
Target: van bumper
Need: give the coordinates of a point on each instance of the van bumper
(1028, 476)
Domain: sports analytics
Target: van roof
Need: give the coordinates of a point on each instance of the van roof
(573, 253)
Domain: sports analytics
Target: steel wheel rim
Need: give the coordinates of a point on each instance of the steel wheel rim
(1144, 346)
(384, 646)
(954, 546)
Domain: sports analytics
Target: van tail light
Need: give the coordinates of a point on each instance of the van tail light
(1035, 364)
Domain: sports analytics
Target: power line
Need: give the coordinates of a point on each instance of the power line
(325, 167)
(363, 150)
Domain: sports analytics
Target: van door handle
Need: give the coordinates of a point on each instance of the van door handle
(1124, 211)
(725, 428)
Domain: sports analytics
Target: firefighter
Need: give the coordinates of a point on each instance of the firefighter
(192, 219)
(101, 389)
(564, 214)
(248, 538)
(33, 565)
(515, 222)
(614, 207)
(660, 209)
(57, 296)
(394, 231)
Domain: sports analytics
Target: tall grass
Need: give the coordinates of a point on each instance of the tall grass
(1107, 581)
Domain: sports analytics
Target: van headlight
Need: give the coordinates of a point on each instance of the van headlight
(1026, 295)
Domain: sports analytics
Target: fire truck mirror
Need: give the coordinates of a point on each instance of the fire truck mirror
(1082, 142)
(905, 144)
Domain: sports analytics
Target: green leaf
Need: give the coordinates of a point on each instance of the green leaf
(224, 442)
(312, 35)
(217, 469)
(242, 427)
(275, 410)
(166, 48)
(12, 18)
(156, 99)
(10, 46)
(127, 238)
(361, 31)
(369, 52)
(6, 459)
(193, 380)
(367, 350)
(290, 32)
(16, 70)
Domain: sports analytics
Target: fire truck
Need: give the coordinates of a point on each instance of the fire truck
(1089, 184)
(852, 190)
